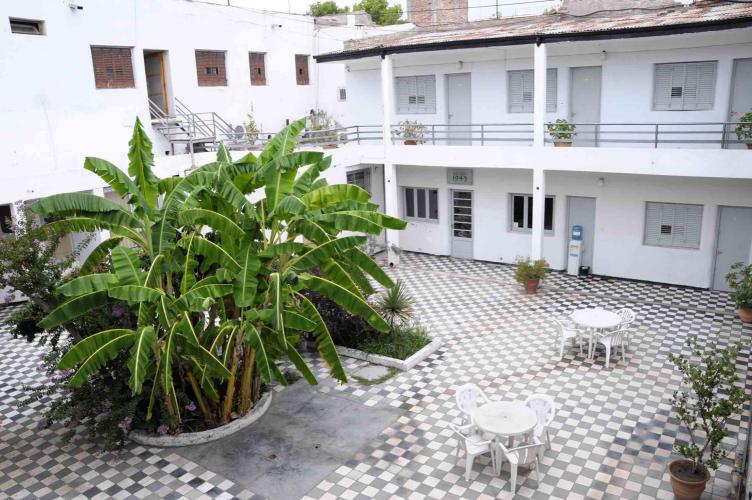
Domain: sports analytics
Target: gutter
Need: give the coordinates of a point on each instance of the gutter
(640, 32)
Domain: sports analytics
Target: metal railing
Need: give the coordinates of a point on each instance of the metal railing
(359, 134)
(471, 134)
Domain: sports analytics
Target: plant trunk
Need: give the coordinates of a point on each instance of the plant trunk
(230, 394)
(246, 382)
(205, 410)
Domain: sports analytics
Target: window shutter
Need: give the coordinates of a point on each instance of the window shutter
(210, 68)
(301, 69)
(700, 88)
(653, 224)
(684, 86)
(258, 68)
(551, 89)
(673, 225)
(113, 68)
(521, 91)
(516, 90)
(415, 94)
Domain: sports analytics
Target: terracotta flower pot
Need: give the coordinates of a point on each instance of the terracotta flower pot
(563, 144)
(531, 286)
(411, 142)
(687, 486)
(330, 146)
(745, 315)
(749, 145)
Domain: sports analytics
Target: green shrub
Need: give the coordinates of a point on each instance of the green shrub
(401, 343)
(527, 270)
(744, 129)
(740, 281)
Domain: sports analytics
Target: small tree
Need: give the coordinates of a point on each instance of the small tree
(381, 12)
(327, 8)
(744, 129)
(712, 398)
(740, 281)
(530, 270)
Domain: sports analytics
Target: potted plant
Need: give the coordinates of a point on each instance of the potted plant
(744, 129)
(531, 273)
(412, 132)
(252, 129)
(740, 281)
(712, 396)
(562, 132)
(321, 129)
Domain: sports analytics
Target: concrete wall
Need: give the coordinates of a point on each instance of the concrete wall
(620, 211)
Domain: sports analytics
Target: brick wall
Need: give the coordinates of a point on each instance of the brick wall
(113, 67)
(210, 68)
(436, 12)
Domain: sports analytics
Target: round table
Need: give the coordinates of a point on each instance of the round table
(505, 418)
(595, 319)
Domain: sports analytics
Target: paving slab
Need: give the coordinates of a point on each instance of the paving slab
(304, 436)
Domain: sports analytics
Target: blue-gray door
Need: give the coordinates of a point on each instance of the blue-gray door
(585, 105)
(462, 224)
(458, 108)
(734, 242)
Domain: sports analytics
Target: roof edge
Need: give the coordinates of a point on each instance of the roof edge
(638, 32)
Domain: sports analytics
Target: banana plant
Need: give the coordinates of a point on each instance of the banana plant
(219, 272)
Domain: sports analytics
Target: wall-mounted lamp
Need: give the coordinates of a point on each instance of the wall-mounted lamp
(604, 55)
(460, 64)
(347, 68)
(601, 182)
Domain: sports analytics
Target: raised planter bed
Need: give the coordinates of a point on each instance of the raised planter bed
(191, 438)
(392, 362)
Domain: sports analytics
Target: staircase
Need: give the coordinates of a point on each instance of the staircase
(195, 132)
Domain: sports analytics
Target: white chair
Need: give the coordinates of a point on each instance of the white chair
(545, 410)
(520, 456)
(474, 446)
(627, 318)
(567, 329)
(614, 339)
(468, 397)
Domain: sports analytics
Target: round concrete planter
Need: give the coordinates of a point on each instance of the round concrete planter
(191, 438)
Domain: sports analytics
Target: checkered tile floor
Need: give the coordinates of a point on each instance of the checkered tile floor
(612, 435)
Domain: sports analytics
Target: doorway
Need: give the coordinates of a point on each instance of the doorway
(585, 102)
(462, 224)
(734, 242)
(155, 65)
(459, 108)
(581, 212)
(741, 97)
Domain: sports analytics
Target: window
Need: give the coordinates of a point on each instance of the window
(361, 178)
(5, 219)
(342, 94)
(422, 204)
(673, 225)
(520, 93)
(522, 213)
(258, 68)
(210, 68)
(301, 69)
(684, 86)
(113, 68)
(416, 94)
(26, 26)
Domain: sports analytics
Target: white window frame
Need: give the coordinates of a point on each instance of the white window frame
(415, 217)
(417, 89)
(672, 242)
(526, 213)
(552, 96)
(669, 102)
(341, 94)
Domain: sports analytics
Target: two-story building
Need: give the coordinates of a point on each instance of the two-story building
(655, 174)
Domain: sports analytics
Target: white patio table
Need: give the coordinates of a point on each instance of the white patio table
(505, 419)
(594, 319)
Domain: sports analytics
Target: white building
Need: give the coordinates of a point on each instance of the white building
(656, 177)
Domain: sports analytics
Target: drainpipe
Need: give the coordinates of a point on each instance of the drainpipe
(539, 176)
(391, 190)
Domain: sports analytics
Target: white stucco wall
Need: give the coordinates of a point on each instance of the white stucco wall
(620, 212)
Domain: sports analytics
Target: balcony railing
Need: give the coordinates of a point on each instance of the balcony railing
(713, 135)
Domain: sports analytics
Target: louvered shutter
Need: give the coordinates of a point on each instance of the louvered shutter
(551, 89)
(522, 90)
(673, 225)
(416, 94)
(402, 91)
(684, 86)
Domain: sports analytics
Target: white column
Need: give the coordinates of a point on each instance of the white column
(103, 234)
(539, 206)
(391, 190)
(539, 95)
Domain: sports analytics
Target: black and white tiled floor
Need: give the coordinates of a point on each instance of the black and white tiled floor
(612, 435)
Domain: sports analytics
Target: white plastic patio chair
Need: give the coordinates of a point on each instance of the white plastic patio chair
(468, 397)
(567, 329)
(614, 339)
(545, 411)
(627, 318)
(520, 456)
(474, 445)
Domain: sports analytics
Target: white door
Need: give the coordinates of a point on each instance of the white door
(462, 224)
(585, 104)
(741, 96)
(734, 242)
(458, 108)
(581, 212)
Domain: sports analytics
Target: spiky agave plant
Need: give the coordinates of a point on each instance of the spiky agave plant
(395, 305)
(216, 280)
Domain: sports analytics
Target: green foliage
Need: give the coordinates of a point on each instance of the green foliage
(217, 283)
(326, 8)
(561, 130)
(530, 270)
(395, 305)
(401, 343)
(411, 130)
(744, 129)
(381, 12)
(712, 397)
(740, 281)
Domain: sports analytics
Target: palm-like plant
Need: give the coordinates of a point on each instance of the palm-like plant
(216, 280)
(395, 305)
